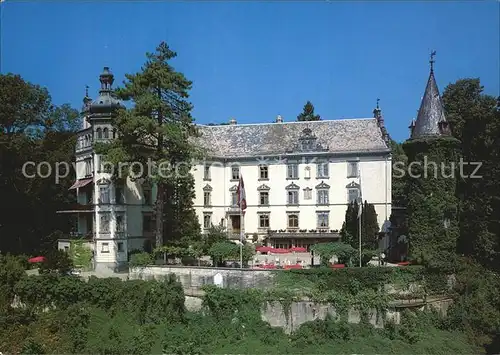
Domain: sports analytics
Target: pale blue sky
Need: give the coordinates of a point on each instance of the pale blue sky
(253, 61)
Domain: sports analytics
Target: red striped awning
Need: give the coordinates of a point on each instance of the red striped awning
(81, 183)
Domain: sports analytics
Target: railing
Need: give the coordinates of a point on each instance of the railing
(120, 234)
(79, 207)
(78, 235)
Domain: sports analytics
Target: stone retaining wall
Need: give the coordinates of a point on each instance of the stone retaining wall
(305, 311)
(195, 277)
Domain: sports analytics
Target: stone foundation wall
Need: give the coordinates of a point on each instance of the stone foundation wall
(195, 277)
(192, 278)
(307, 311)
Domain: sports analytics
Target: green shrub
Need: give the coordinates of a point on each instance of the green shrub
(141, 260)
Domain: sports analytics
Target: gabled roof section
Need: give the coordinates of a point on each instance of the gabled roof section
(352, 185)
(263, 187)
(322, 185)
(253, 140)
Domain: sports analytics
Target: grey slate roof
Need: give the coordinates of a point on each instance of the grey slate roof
(431, 112)
(250, 140)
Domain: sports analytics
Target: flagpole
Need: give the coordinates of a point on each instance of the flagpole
(243, 205)
(359, 230)
(360, 211)
(242, 234)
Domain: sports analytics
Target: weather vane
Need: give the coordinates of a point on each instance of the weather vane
(377, 102)
(433, 53)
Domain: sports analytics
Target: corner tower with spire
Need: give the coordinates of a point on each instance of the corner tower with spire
(433, 155)
(101, 211)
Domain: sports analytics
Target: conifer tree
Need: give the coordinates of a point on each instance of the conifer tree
(308, 113)
(158, 127)
(369, 226)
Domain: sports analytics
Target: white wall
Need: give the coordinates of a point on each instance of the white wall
(375, 175)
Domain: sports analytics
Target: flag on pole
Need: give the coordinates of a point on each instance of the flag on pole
(360, 199)
(360, 208)
(242, 201)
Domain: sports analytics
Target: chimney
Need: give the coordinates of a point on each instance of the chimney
(279, 119)
(232, 121)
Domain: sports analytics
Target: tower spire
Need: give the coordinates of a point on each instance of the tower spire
(86, 100)
(432, 61)
(431, 120)
(106, 78)
(106, 102)
(377, 114)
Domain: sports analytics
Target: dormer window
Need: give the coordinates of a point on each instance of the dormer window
(307, 145)
(307, 142)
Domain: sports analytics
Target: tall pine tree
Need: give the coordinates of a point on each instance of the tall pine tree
(308, 113)
(158, 127)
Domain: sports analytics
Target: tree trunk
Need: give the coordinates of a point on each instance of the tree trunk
(160, 196)
(160, 201)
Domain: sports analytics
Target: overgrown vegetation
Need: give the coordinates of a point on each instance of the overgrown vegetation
(33, 129)
(64, 314)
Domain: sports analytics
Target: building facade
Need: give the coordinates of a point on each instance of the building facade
(299, 178)
(114, 217)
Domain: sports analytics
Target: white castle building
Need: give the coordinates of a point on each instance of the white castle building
(299, 178)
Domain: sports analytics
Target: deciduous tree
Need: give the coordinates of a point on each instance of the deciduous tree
(475, 120)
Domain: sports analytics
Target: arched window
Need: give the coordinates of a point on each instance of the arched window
(114, 133)
(99, 133)
(106, 133)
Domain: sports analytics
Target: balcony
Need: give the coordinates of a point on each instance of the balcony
(120, 234)
(84, 141)
(82, 236)
(78, 208)
(304, 234)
